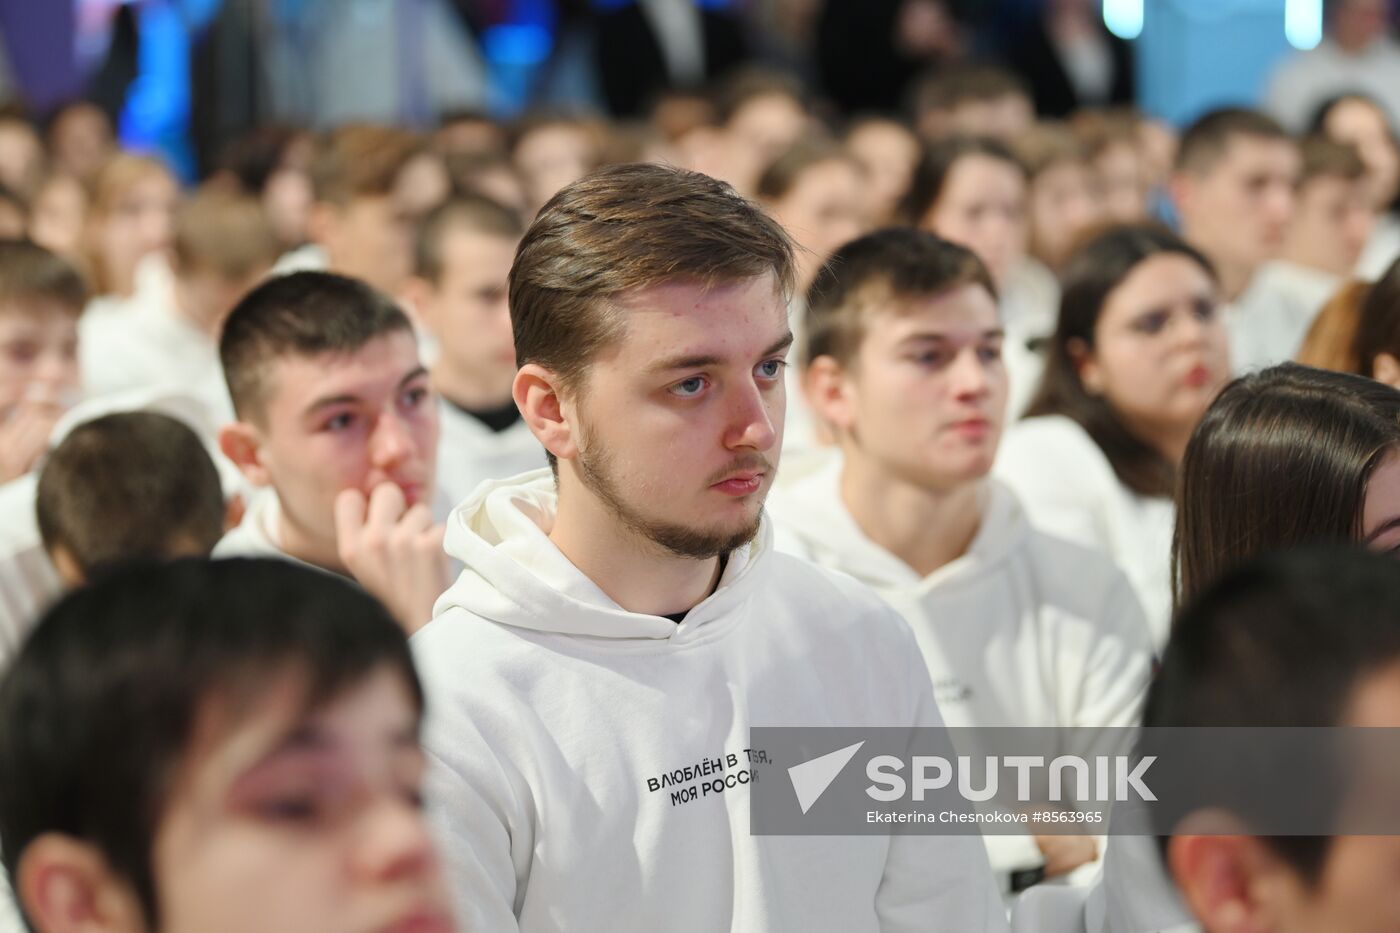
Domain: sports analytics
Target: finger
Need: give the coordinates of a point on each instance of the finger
(417, 519)
(386, 504)
(349, 512)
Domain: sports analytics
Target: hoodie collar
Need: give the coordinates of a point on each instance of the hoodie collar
(813, 510)
(514, 574)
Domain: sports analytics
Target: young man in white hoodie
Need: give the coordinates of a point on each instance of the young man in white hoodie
(1017, 628)
(337, 426)
(626, 619)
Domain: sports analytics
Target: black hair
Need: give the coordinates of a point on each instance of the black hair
(302, 314)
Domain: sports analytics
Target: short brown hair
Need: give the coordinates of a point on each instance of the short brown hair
(780, 175)
(870, 273)
(474, 212)
(361, 160)
(949, 89)
(1205, 142)
(1328, 158)
(32, 278)
(225, 234)
(622, 228)
(1047, 145)
(302, 314)
(129, 486)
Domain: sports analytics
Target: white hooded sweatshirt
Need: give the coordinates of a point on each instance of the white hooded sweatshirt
(1022, 630)
(551, 707)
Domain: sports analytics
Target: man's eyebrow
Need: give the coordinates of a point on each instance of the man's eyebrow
(701, 360)
(349, 399)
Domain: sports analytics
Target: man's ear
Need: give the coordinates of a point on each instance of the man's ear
(69, 570)
(239, 442)
(1232, 884)
(537, 394)
(829, 392)
(1386, 368)
(66, 886)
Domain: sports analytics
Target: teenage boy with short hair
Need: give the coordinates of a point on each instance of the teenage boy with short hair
(1332, 222)
(1302, 640)
(337, 420)
(1235, 190)
(1017, 628)
(627, 616)
(458, 292)
(217, 746)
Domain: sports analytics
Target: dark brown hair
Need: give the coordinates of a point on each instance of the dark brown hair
(302, 314)
(33, 279)
(871, 273)
(134, 485)
(937, 164)
(474, 212)
(1090, 275)
(1378, 325)
(780, 175)
(1205, 142)
(361, 160)
(1282, 458)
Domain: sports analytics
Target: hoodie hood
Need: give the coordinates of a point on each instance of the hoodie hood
(811, 514)
(515, 575)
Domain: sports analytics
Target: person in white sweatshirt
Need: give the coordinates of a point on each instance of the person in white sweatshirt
(624, 619)
(338, 426)
(1138, 354)
(458, 291)
(1018, 628)
(169, 341)
(1325, 238)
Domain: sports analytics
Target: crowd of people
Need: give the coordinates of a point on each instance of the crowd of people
(381, 515)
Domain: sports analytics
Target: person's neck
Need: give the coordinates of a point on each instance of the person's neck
(468, 390)
(1297, 254)
(637, 574)
(1353, 45)
(300, 543)
(1234, 277)
(925, 528)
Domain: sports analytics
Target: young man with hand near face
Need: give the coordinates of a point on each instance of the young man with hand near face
(337, 420)
(627, 616)
(1017, 628)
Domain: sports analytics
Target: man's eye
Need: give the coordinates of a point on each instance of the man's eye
(689, 388)
(340, 422)
(770, 369)
(415, 397)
